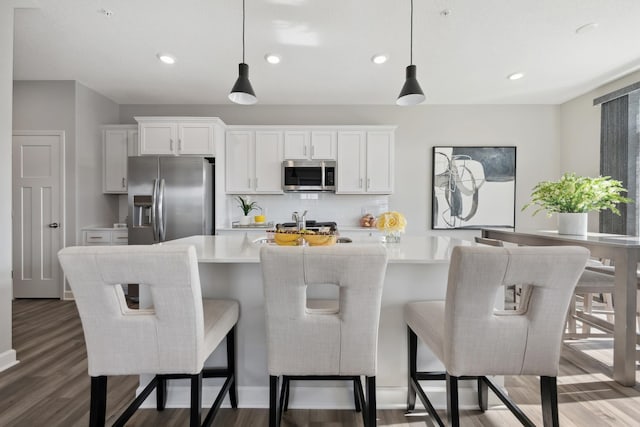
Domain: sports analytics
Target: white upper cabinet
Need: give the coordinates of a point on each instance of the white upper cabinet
(254, 161)
(178, 136)
(365, 161)
(118, 141)
(310, 144)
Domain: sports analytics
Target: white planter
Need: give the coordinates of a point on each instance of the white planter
(572, 223)
(245, 220)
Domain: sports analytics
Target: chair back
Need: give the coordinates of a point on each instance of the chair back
(167, 338)
(480, 340)
(301, 341)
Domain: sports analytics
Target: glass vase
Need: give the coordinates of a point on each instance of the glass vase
(391, 237)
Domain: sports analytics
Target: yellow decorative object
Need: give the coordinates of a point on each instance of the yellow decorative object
(259, 219)
(287, 239)
(320, 239)
(392, 224)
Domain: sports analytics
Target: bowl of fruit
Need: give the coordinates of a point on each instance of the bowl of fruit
(287, 237)
(319, 238)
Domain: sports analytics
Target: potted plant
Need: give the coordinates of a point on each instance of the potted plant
(247, 206)
(572, 197)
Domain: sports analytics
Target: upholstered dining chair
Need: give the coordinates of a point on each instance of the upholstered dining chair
(309, 340)
(473, 340)
(172, 339)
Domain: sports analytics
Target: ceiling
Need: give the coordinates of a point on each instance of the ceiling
(463, 56)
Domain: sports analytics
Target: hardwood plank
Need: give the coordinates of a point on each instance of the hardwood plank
(50, 386)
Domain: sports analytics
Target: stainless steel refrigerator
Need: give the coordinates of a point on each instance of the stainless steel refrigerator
(169, 198)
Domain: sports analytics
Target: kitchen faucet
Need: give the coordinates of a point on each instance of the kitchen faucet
(300, 220)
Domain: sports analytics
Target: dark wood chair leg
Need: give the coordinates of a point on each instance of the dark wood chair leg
(453, 411)
(412, 339)
(549, 398)
(483, 394)
(273, 401)
(161, 393)
(98, 409)
(285, 387)
(231, 366)
(371, 402)
(356, 396)
(196, 400)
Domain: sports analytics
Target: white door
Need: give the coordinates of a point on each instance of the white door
(37, 213)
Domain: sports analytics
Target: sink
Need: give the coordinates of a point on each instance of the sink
(266, 240)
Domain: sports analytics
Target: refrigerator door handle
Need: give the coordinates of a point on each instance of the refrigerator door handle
(154, 204)
(162, 223)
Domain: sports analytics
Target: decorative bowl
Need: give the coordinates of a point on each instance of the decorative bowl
(286, 239)
(320, 239)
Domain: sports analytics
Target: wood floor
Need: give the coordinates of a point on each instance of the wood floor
(50, 387)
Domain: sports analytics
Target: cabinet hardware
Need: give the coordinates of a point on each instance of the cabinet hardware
(171, 145)
(360, 185)
(249, 182)
(180, 144)
(368, 183)
(304, 150)
(256, 183)
(54, 225)
(124, 182)
(313, 151)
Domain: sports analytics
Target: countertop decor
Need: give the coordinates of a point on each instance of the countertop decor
(392, 224)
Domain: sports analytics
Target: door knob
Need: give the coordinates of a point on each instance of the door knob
(54, 225)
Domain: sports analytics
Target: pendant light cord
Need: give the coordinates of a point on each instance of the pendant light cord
(243, 29)
(411, 49)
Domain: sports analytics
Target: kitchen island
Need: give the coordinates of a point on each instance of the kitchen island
(230, 268)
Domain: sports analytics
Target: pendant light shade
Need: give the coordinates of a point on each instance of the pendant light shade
(411, 93)
(242, 92)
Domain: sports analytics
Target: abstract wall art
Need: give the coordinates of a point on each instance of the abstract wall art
(473, 187)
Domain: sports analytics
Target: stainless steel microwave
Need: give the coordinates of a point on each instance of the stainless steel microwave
(309, 175)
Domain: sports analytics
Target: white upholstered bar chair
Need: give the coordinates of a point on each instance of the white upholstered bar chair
(170, 340)
(473, 340)
(330, 342)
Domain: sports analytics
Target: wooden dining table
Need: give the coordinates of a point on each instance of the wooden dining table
(624, 251)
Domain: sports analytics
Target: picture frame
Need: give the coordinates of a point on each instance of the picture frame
(473, 187)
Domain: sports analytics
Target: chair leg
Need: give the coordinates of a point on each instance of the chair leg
(196, 400)
(371, 402)
(273, 401)
(97, 412)
(549, 397)
(453, 411)
(587, 307)
(356, 396)
(285, 387)
(483, 394)
(412, 340)
(161, 393)
(231, 366)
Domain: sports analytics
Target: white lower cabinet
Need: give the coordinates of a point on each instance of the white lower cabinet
(254, 161)
(104, 236)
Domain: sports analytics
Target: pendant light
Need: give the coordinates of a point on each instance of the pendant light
(411, 93)
(242, 92)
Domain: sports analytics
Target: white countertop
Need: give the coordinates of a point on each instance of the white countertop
(242, 249)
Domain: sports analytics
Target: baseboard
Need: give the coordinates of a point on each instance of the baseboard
(8, 359)
(314, 397)
(67, 296)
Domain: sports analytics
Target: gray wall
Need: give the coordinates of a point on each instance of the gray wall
(7, 354)
(92, 111)
(532, 128)
(79, 112)
(50, 105)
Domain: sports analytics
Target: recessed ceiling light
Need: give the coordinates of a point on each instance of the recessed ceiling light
(166, 58)
(515, 76)
(272, 58)
(380, 58)
(586, 28)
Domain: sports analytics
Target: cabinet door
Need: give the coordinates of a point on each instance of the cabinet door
(351, 162)
(196, 139)
(268, 161)
(296, 144)
(114, 161)
(239, 162)
(323, 145)
(132, 142)
(379, 162)
(158, 138)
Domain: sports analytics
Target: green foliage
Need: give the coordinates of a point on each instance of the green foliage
(578, 194)
(246, 205)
